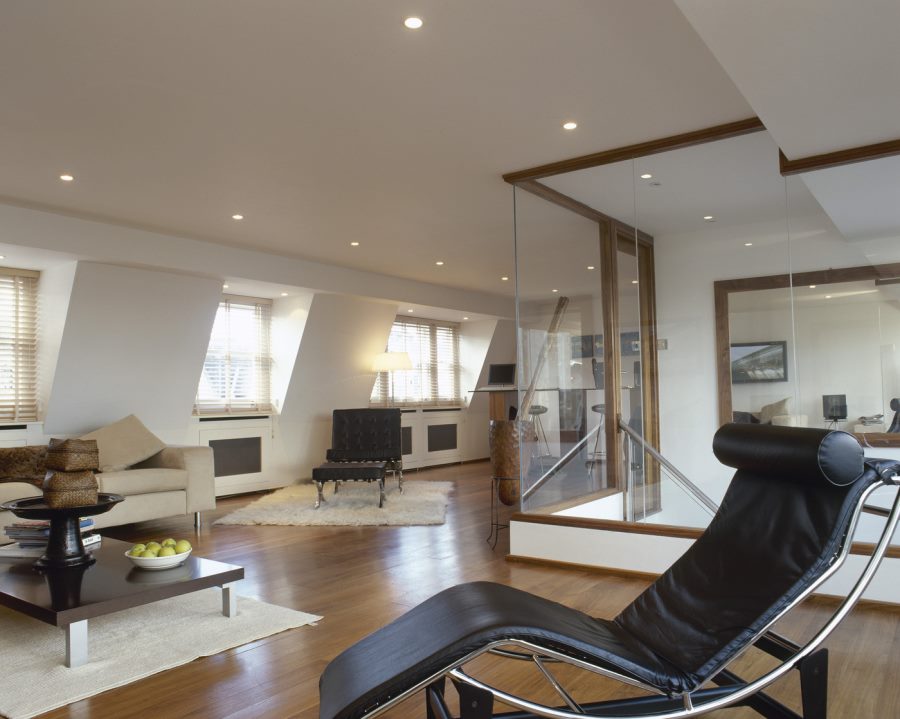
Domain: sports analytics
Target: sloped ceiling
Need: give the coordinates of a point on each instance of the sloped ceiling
(326, 121)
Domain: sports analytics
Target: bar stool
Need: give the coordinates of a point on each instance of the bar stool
(536, 410)
(596, 456)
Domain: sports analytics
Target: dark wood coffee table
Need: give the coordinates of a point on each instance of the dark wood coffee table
(69, 597)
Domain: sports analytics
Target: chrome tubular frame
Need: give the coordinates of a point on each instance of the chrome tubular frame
(691, 705)
(691, 709)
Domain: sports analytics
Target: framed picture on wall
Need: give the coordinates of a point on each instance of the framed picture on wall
(759, 362)
(598, 345)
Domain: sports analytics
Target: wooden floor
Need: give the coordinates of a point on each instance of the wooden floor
(361, 578)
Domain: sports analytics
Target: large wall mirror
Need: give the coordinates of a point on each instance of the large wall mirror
(813, 349)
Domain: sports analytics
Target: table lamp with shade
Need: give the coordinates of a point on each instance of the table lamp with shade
(389, 362)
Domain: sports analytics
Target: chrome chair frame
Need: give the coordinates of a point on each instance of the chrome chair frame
(732, 690)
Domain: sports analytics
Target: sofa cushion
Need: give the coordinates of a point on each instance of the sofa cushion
(775, 409)
(142, 481)
(124, 443)
(17, 490)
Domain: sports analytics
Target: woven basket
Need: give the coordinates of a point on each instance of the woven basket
(70, 489)
(73, 455)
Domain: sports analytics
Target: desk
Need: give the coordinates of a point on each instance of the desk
(497, 399)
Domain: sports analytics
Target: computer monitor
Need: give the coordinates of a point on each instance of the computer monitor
(834, 406)
(501, 374)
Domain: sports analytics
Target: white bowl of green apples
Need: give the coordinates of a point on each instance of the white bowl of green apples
(153, 555)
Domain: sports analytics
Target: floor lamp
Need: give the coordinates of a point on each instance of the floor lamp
(389, 362)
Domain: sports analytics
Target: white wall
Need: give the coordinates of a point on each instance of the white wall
(333, 370)
(54, 290)
(289, 315)
(134, 342)
(686, 267)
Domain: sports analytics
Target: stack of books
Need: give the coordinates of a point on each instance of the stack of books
(30, 537)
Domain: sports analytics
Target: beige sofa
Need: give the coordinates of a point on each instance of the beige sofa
(174, 481)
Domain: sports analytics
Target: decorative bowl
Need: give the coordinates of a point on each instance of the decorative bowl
(157, 563)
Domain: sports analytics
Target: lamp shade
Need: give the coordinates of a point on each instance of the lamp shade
(389, 361)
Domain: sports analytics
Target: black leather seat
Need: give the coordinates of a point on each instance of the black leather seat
(781, 529)
(365, 443)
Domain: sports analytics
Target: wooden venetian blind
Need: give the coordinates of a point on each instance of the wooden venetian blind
(237, 372)
(433, 347)
(18, 345)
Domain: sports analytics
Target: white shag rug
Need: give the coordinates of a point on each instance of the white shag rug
(125, 646)
(355, 504)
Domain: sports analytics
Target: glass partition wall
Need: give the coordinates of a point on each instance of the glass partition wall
(663, 296)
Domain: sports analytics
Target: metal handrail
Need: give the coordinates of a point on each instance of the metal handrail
(559, 463)
(679, 478)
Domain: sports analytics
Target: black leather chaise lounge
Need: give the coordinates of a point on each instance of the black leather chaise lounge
(784, 526)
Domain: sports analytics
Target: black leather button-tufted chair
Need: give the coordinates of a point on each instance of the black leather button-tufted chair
(365, 443)
(784, 527)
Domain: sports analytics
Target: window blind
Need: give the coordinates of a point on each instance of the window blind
(18, 345)
(433, 348)
(237, 372)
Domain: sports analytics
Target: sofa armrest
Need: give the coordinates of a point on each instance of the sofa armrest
(198, 462)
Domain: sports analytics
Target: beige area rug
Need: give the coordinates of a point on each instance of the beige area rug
(356, 504)
(125, 646)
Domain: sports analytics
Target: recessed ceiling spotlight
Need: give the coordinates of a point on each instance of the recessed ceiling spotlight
(634, 282)
(67, 177)
(2, 257)
(439, 263)
(748, 244)
(413, 23)
(237, 217)
(570, 125)
(709, 218)
(812, 287)
(554, 290)
(284, 294)
(410, 310)
(827, 297)
(591, 267)
(224, 287)
(646, 176)
(465, 318)
(504, 278)
(354, 244)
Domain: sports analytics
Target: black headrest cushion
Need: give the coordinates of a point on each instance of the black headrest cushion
(799, 454)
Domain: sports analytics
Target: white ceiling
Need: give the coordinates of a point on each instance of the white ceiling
(326, 121)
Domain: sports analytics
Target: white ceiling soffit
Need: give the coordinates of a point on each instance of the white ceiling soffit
(326, 121)
(736, 181)
(821, 74)
(863, 201)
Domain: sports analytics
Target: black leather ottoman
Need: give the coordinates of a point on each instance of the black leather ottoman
(338, 472)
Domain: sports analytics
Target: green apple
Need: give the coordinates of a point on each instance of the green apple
(137, 551)
(154, 545)
(147, 553)
(138, 548)
(166, 552)
(182, 546)
(168, 542)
